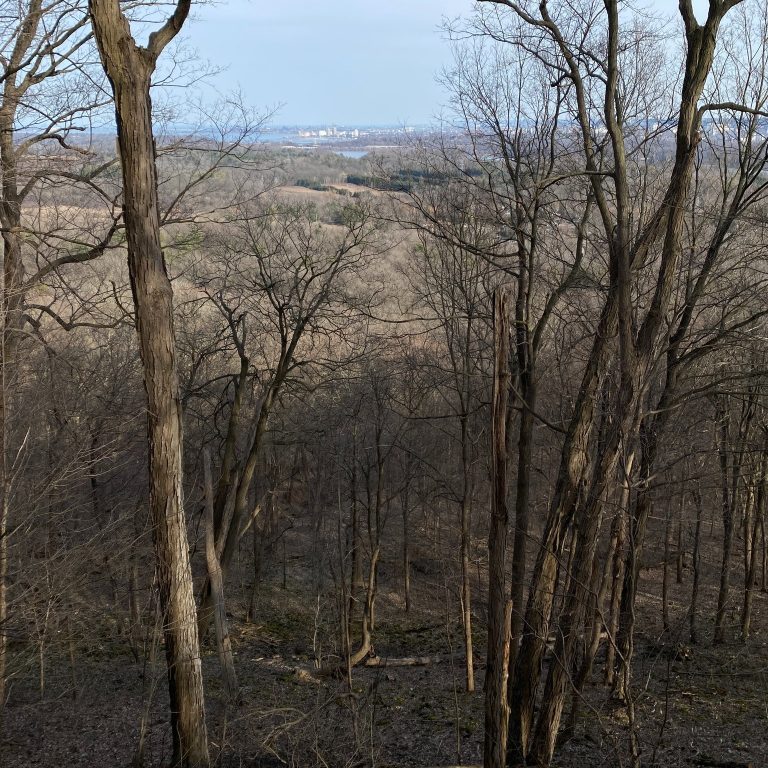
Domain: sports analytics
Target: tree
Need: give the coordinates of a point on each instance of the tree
(646, 243)
(129, 68)
(453, 286)
(499, 608)
(45, 55)
(280, 286)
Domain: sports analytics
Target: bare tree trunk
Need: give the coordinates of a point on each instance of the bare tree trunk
(750, 564)
(748, 530)
(680, 552)
(593, 627)
(256, 556)
(618, 535)
(574, 464)
(356, 575)
(406, 556)
(375, 501)
(696, 557)
(223, 643)
(499, 608)
(727, 501)
(764, 563)
(235, 505)
(12, 325)
(523, 484)
(466, 522)
(366, 620)
(665, 573)
(129, 68)
(4, 490)
(134, 611)
(564, 663)
(525, 355)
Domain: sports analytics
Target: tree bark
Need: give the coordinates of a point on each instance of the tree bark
(129, 68)
(750, 562)
(696, 557)
(466, 590)
(727, 501)
(499, 608)
(618, 535)
(223, 642)
(665, 573)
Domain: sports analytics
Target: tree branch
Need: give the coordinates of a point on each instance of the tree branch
(159, 39)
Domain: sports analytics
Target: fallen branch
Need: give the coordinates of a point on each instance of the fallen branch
(407, 661)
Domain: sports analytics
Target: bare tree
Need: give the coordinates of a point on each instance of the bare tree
(499, 607)
(281, 287)
(45, 53)
(130, 68)
(453, 286)
(566, 44)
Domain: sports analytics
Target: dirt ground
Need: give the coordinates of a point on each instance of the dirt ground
(695, 705)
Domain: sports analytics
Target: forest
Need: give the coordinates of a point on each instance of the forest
(452, 454)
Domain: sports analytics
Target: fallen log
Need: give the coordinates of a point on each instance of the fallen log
(407, 661)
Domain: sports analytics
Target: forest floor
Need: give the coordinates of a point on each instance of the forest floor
(695, 704)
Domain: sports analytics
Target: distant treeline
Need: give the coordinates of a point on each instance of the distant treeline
(405, 179)
(311, 184)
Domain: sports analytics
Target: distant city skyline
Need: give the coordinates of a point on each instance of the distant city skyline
(336, 62)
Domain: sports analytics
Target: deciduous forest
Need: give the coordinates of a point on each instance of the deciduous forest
(452, 454)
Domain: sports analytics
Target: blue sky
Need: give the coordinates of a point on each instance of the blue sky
(326, 61)
(333, 61)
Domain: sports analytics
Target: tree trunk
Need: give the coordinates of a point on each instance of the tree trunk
(406, 556)
(764, 550)
(574, 462)
(129, 68)
(223, 643)
(565, 664)
(4, 490)
(680, 552)
(466, 590)
(523, 484)
(618, 538)
(499, 608)
(696, 557)
(356, 575)
(750, 532)
(592, 633)
(12, 327)
(727, 502)
(665, 573)
(366, 620)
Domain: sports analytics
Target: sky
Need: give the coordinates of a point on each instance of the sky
(331, 61)
(334, 62)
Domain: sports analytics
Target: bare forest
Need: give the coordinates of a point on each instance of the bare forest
(452, 454)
